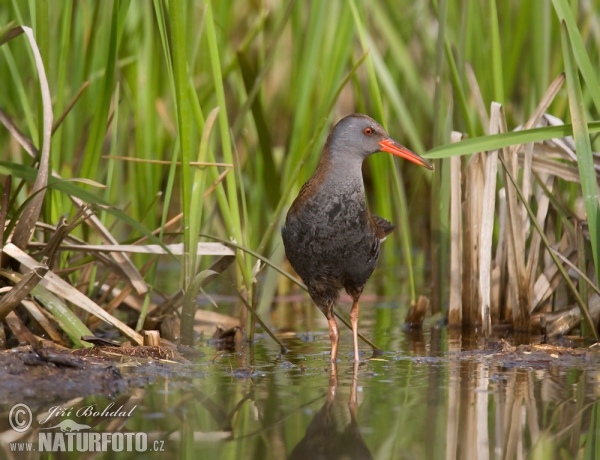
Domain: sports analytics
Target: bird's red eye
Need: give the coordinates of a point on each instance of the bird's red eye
(368, 131)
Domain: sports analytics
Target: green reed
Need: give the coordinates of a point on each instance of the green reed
(272, 72)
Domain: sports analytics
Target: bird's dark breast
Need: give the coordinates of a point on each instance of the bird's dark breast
(332, 240)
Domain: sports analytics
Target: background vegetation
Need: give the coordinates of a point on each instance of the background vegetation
(281, 73)
(142, 79)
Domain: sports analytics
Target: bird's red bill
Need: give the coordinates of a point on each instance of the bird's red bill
(391, 146)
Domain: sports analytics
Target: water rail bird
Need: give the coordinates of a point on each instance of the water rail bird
(330, 237)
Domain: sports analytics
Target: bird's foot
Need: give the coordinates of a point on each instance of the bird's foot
(356, 357)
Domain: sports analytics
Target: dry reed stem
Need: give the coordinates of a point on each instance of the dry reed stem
(527, 188)
(541, 165)
(20, 331)
(19, 291)
(26, 224)
(456, 237)
(205, 249)
(516, 253)
(133, 275)
(487, 221)
(499, 270)
(36, 314)
(62, 289)
(478, 98)
(164, 162)
(69, 106)
(472, 224)
(535, 244)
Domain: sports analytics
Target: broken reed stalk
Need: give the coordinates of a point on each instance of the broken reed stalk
(20, 290)
(561, 268)
(527, 293)
(508, 279)
(516, 259)
(164, 162)
(487, 222)
(470, 296)
(456, 236)
(582, 275)
(62, 289)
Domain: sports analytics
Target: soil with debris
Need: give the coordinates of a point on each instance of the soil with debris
(25, 375)
(45, 375)
(535, 356)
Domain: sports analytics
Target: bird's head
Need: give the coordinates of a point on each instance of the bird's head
(357, 136)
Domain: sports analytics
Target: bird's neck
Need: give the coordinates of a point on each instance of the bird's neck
(344, 175)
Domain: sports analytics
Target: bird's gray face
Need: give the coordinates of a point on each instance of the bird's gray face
(358, 136)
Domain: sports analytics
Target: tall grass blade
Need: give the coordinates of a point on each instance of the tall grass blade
(189, 305)
(497, 69)
(592, 445)
(18, 82)
(438, 235)
(270, 176)
(263, 71)
(234, 224)
(585, 160)
(388, 162)
(98, 130)
(579, 53)
(198, 190)
(498, 141)
(67, 320)
(184, 122)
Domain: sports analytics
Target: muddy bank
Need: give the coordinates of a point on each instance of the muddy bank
(46, 375)
(26, 376)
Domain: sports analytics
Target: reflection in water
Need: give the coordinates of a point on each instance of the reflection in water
(440, 395)
(330, 437)
(518, 408)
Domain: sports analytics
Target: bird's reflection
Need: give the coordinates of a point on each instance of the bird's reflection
(329, 435)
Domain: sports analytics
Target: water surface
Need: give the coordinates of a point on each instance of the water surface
(434, 394)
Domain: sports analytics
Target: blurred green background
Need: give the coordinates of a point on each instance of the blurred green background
(282, 73)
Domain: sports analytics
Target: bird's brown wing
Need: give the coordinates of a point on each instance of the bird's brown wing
(383, 227)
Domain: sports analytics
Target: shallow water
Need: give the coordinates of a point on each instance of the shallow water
(435, 395)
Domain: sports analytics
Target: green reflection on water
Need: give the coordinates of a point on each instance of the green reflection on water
(437, 395)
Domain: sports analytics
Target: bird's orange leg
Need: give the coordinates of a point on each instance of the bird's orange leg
(354, 323)
(334, 335)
